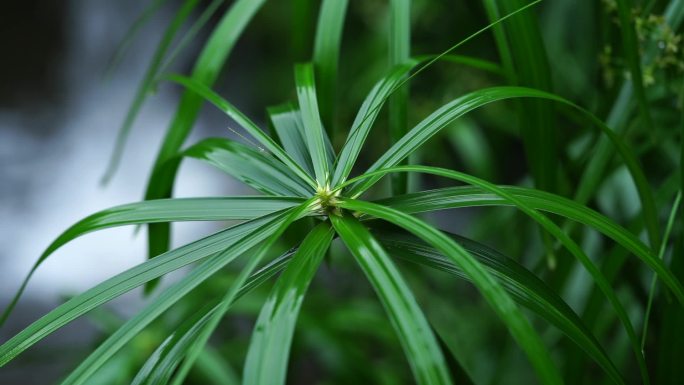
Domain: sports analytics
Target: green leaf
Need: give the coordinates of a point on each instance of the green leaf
(206, 15)
(206, 70)
(490, 288)
(366, 117)
(469, 196)
(522, 50)
(136, 276)
(382, 91)
(161, 210)
(399, 52)
(326, 57)
(165, 300)
(288, 125)
(146, 85)
(131, 33)
(251, 127)
(464, 104)
(468, 61)
(269, 348)
(313, 129)
(160, 366)
(254, 168)
(661, 255)
(415, 334)
(193, 350)
(523, 286)
(570, 245)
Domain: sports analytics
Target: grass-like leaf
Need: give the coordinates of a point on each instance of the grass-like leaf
(137, 276)
(366, 117)
(206, 70)
(469, 196)
(460, 106)
(399, 52)
(313, 128)
(571, 246)
(146, 85)
(269, 348)
(415, 334)
(193, 350)
(157, 211)
(523, 54)
(288, 125)
(326, 57)
(264, 140)
(490, 288)
(165, 300)
(253, 167)
(523, 286)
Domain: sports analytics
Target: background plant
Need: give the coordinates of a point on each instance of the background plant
(302, 167)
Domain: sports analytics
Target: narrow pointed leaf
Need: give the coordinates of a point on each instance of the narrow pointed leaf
(492, 291)
(469, 196)
(193, 350)
(146, 85)
(255, 168)
(366, 117)
(161, 365)
(574, 249)
(523, 286)
(460, 106)
(313, 128)
(205, 71)
(246, 123)
(157, 211)
(288, 125)
(165, 300)
(269, 348)
(133, 278)
(522, 51)
(326, 57)
(415, 334)
(399, 52)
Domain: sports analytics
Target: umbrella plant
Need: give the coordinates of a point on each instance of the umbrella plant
(306, 180)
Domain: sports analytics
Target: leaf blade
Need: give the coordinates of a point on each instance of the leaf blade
(415, 334)
(313, 128)
(269, 347)
(497, 297)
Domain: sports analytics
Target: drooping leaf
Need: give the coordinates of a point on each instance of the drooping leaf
(464, 104)
(157, 211)
(192, 351)
(205, 71)
(570, 245)
(523, 286)
(420, 346)
(137, 276)
(269, 348)
(493, 292)
(165, 300)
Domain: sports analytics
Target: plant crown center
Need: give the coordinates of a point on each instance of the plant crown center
(327, 199)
